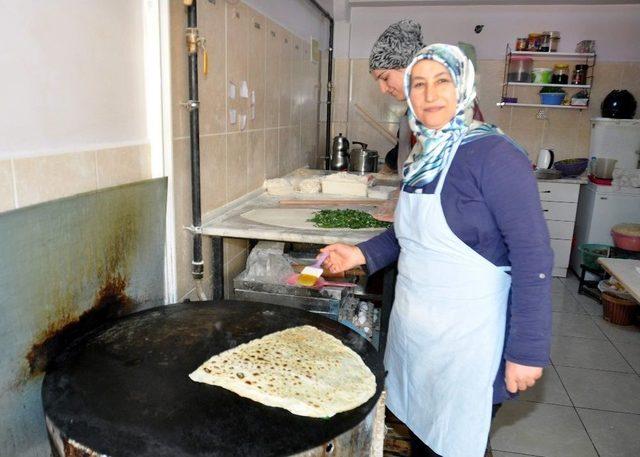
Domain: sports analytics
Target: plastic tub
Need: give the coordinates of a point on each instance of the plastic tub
(618, 310)
(520, 69)
(592, 252)
(624, 236)
(541, 75)
(552, 98)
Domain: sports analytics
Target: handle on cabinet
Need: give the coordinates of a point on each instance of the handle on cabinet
(545, 191)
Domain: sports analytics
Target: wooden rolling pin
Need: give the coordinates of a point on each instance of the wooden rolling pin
(367, 202)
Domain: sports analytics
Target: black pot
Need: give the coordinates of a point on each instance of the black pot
(619, 104)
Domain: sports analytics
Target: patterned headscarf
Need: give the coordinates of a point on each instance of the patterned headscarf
(424, 164)
(396, 46)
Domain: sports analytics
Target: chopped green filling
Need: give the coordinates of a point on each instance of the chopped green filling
(346, 218)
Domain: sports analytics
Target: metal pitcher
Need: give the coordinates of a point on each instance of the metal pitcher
(340, 153)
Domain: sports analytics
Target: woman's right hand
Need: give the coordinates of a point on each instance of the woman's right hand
(342, 257)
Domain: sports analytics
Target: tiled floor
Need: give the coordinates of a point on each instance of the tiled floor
(588, 402)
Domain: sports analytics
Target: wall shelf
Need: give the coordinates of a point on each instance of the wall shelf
(539, 105)
(589, 59)
(571, 86)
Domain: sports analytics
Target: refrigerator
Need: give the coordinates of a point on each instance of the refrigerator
(599, 209)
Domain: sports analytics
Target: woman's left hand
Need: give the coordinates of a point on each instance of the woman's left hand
(520, 377)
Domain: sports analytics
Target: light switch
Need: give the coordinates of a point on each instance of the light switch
(233, 116)
(244, 90)
(232, 90)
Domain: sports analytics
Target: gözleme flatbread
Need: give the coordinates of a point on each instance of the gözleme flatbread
(302, 369)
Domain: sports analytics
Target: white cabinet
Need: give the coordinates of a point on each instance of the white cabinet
(559, 203)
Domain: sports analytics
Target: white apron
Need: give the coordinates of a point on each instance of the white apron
(446, 330)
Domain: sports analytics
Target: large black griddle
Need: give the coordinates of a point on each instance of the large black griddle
(123, 390)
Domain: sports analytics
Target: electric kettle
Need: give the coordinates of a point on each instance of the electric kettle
(545, 159)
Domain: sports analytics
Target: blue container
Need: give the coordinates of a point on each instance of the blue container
(551, 98)
(571, 167)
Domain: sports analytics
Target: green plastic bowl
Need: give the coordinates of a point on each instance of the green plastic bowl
(592, 252)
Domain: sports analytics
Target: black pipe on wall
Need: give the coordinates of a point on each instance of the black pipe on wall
(327, 149)
(197, 264)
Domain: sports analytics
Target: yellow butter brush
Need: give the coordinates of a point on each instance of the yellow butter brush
(309, 275)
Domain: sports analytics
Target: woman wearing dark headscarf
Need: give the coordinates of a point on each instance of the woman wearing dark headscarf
(474, 265)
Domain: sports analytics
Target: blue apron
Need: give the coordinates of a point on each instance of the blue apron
(446, 330)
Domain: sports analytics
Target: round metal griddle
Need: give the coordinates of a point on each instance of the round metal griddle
(123, 390)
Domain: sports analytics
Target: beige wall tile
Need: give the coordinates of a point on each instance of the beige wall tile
(46, 178)
(583, 134)
(489, 89)
(341, 80)
(560, 133)
(365, 91)
(232, 269)
(213, 172)
(183, 217)
(236, 165)
(256, 165)
(297, 81)
(6, 186)
(212, 87)
(272, 153)
(630, 81)
(309, 143)
(123, 165)
(526, 130)
(286, 63)
(179, 78)
(274, 35)
(257, 32)
(232, 247)
(361, 131)
(237, 58)
(607, 76)
(299, 157)
(286, 160)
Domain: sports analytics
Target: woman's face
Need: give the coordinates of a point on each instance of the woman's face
(391, 81)
(433, 94)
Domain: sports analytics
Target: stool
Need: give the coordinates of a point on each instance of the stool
(590, 287)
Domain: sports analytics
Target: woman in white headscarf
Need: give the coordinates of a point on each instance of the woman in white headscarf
(471, 320)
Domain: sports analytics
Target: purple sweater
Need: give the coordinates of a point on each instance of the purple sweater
(491, 202)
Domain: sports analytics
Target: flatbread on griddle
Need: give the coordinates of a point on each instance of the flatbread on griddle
(302, 369)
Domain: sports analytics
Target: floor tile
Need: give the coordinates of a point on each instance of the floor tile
(557, 286)
(571, 282)
(549, 389)
(591, 307)
(614, 434)
(581, 325)
(511, 454)
(631, 352)
(619, 333)
(565, 302)
(540, 429)
(587, 353)
(603, 390)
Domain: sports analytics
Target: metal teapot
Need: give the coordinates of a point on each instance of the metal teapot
(340, 153)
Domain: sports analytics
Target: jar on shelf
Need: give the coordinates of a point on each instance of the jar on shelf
(533, 42)
(580, 75)
(520, 69)
(560, 74)
(549, 41)
(521, 44)
(545, 42)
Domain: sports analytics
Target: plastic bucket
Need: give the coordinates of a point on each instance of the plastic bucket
(592, 252)
(541, 75)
